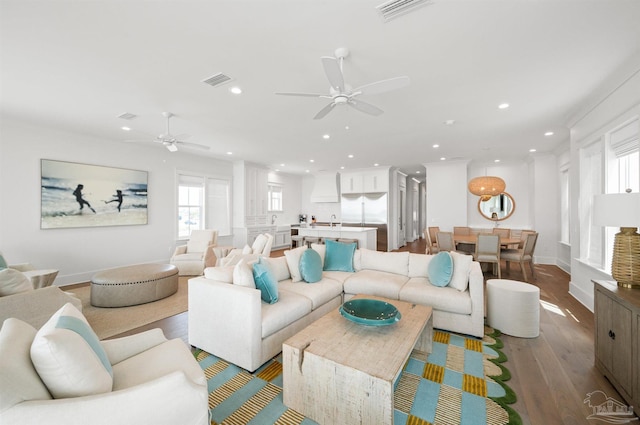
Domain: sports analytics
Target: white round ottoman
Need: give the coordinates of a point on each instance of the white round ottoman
(513, 307)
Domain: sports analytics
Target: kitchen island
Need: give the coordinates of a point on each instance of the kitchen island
(366, 236)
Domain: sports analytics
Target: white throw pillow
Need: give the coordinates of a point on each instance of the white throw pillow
(69, 357)
(279, 267)
(391, 262)
(461, 267)
(220, 274)
(243, 274)
(247, 250)
(13, 282)
(320, 249)
(293, 261)
(259, 244)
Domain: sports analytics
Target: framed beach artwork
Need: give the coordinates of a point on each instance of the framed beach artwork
(83, 195)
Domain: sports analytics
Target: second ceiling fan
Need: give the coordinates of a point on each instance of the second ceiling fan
(341, 93)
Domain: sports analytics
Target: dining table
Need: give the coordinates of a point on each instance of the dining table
(471, 239)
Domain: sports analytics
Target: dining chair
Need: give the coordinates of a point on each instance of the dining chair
(523, 255)
(461, 230)
(445, 241)
(504, 233)
(430, 248)
(488, 251)
(432, 235)
(523, 237)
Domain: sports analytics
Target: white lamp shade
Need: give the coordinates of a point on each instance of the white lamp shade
(617, 210)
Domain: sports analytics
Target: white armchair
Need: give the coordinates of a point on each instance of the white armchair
(155, 380)
(261, 247)
(39, 278)
(192, 258)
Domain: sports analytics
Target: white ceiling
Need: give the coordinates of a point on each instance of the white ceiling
(79, 64)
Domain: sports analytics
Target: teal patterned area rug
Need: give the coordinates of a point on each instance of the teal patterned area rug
(460, 382)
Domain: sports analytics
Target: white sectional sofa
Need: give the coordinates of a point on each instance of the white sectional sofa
(231, 321)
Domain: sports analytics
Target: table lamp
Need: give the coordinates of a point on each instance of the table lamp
(621, 210)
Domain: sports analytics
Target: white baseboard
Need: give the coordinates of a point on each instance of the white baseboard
(72, 279)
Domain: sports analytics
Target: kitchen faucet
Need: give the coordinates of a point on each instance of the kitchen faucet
(273, 219)
(333, 217)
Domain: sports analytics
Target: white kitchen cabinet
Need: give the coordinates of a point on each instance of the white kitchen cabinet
(282, 239)
(365, 181)
(351, 182)
(256, 195)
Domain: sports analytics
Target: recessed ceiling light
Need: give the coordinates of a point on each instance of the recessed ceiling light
(325, 136)
(282, 165)
(350, 156)
(436, 146)
(346, 127)
(450, 122)
(549, 133)
(126, 128)
(312, 160)
(277, 169)
(442, 158)
(306, 171)
(503, 105)
(376, 164)
(532, 150)
(235, 90)
(417, 172)
(342, 168)
(229, 153)
(496, 160)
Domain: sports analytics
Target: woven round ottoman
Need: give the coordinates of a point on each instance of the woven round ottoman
(133, 285)
(513, 307)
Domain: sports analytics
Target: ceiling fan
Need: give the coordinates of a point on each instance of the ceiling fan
(341, 93)
(170, 141)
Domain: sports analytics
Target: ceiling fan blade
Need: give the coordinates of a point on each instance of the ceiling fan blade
(383, 85)
(324, 111)
(305, 95)
(334, 73)
(365, 107)
(193, 145)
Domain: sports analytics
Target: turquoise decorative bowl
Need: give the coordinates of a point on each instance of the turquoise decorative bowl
(370, 312)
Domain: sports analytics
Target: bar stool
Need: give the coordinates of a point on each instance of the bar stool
(296, 241)
(311, 239)
(346, 240)
(324, 239)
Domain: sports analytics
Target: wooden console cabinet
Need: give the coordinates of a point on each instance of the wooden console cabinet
(617, 337)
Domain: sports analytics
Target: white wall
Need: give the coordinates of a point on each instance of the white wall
(446, 186)
(291, 195)
(79, 253)
(615, 102)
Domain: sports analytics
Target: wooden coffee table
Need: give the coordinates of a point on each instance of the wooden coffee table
(339, 372)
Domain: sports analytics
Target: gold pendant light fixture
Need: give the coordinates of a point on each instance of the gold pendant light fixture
(486, 187)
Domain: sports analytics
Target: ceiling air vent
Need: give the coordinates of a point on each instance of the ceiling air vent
(217, 79)
(127, 116)
(394, 8)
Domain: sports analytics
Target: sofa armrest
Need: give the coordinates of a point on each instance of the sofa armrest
(22, 267)
(226, 320)
(476, 292)
(120, 349)
(181, 249)
(171, 399)
(210, 258)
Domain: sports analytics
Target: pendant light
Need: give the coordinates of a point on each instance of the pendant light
(486, 187)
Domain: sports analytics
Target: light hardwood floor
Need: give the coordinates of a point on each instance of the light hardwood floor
(551, 375)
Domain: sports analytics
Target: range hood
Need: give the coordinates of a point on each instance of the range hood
(325, 188)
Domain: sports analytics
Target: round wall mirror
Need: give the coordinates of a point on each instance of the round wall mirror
(499, 207)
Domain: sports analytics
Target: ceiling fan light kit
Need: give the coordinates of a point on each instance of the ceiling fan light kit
(170, 141)
(343, 94)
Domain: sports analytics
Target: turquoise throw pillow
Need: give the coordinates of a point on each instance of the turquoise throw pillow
(266, 281)
(311, 266)
(440, 269)
(3, 263)
(81, 328)
(339, 256)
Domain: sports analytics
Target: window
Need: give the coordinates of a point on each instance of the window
(591, 175)
(203, 203)
(275, 197)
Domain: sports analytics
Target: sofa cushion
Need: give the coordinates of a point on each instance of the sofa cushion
(419, 265)
(279, 267)
(339, 256)
(259, 243)
(461, 270)
(19, 380)
(221, 274)
(319, 293)
(69, 358)
(420, 291)
(373, 282)
(265, 281)
(289, 308)
(293, 261)
(243, 274)
(337, 275)
(13, 282)
(390, 262)
(310, 266)
(440, 269)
